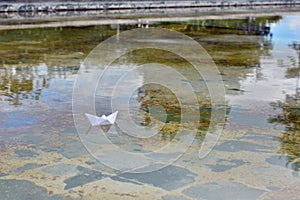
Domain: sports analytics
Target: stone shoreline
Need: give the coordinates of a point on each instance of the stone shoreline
(7, 7)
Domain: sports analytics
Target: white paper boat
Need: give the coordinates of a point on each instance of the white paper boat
(103, 120)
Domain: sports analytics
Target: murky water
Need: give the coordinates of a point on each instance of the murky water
(258, 153)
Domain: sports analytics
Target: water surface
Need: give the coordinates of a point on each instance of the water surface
(258, 152)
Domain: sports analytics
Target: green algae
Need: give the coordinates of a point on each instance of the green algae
(62, 50)
(290, 117)
(236, 56)
(30, 46)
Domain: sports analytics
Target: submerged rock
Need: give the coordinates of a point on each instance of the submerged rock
(223, 190)
(21, 189)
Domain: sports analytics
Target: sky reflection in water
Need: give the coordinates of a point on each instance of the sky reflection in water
(264, 95)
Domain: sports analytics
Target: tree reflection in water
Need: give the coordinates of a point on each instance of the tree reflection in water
(290, 116)
(19, 83)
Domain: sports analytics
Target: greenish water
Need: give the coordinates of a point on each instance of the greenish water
(261, 137)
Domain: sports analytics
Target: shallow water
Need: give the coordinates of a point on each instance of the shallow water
(257, 154)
